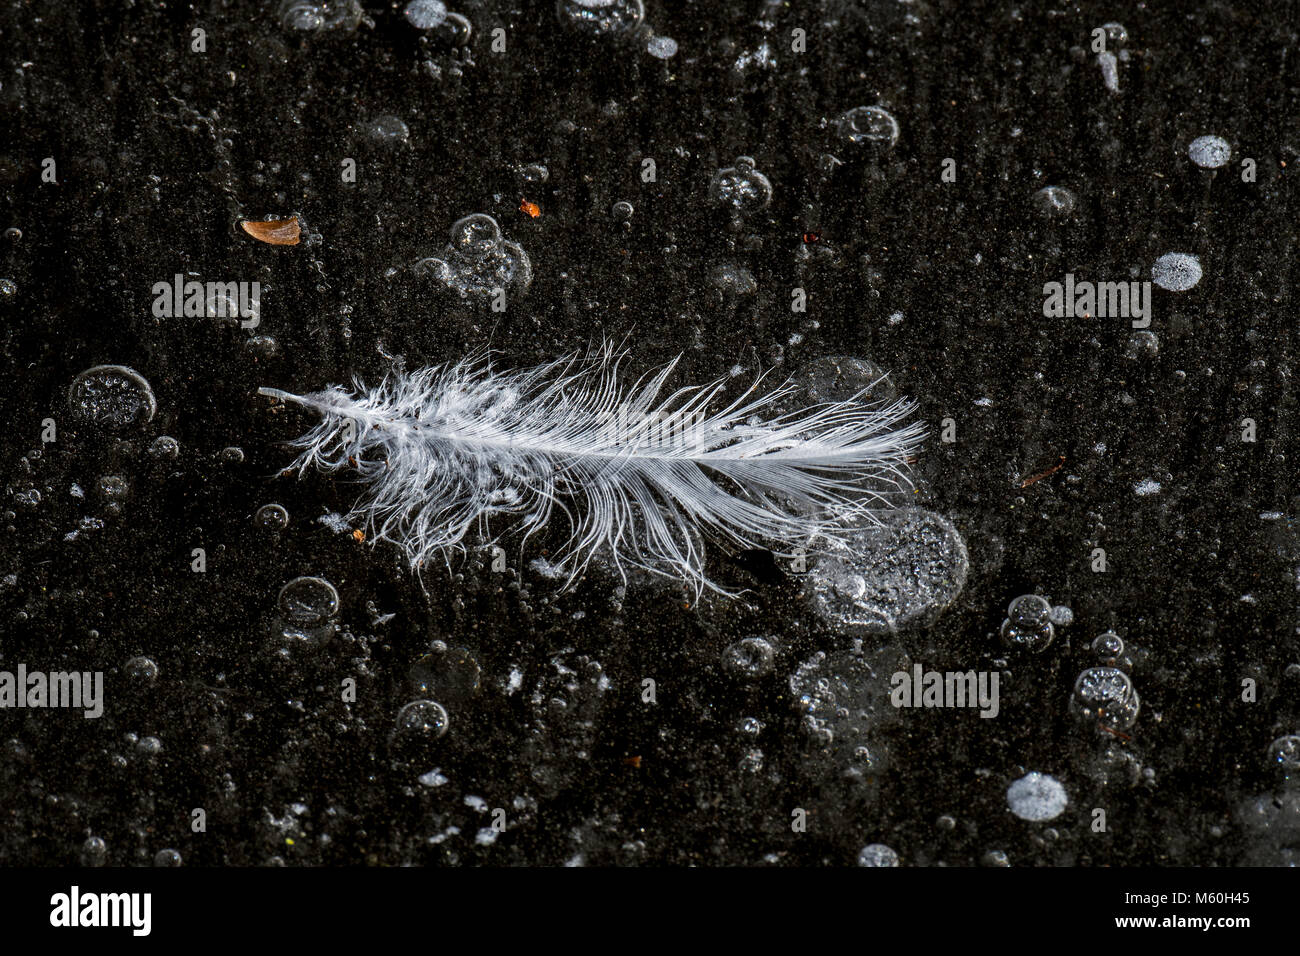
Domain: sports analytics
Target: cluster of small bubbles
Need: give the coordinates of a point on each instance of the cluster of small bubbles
(534, 174)
(1142, 344)
(733, 279)
(422, 720)
(94, 852)
(1037, 797)
(426, 14)
(164, 447)
(1108, 646)
(479, 260)
(899, 573)
(622, 211)
(869, 125)
(301, 15)
(565, 703)
(844, 698)
(877, 854)
(1055, 202)
(1176, 271)
(308, 607)
(1028, 624)
(112, 396)
(448, 674)
(1105, 696)
(475, 236)
(141, 671)
(272, 517)
(231, 455)
(750, 658)
(1115, 33)
(149, 746)
(742, 186)
(87, 524)
(1114, 764)
(840, 378)
(263, 346)
(1284, 754)
(1062, 615)
(661, 48)
(387, 130)
(601, 17)
(113, 489)
(311, 16)
(751, 761)
(167, 857)
(1209, 152)
(8, 287)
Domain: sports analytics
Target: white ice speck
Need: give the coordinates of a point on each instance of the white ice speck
(761, 57)
(335, 522)
(426, 14)
(1037, 797)
(661, 47)
(1176, 271)
(544, 569)
(434, 778)
(1109, 71)
(877, 854)
(516, 680)
(1209, 152)
(1147, 486)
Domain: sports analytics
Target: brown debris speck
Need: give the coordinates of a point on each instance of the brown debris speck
(275, 232)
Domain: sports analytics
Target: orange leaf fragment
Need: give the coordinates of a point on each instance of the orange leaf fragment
(275, 232)
(531, 208)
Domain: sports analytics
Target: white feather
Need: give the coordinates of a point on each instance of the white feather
(446, 449)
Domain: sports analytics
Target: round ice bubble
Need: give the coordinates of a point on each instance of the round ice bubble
(1209, 152)
(426, 14)
(1176, 271)
(1037, 797)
